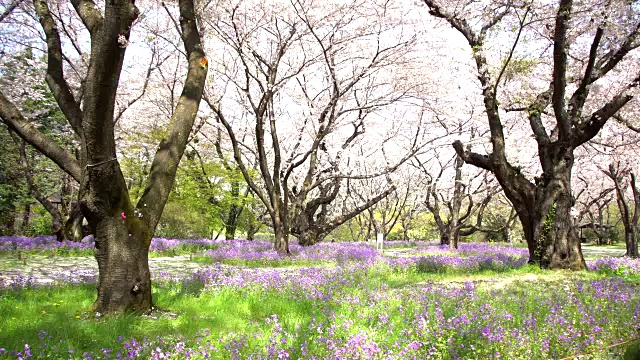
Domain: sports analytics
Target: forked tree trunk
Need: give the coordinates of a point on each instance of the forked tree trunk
(231, 223)
(121, 241)
(554, 244)
(122, 233)
(552, 240)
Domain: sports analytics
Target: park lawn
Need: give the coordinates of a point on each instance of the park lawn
(352, 311)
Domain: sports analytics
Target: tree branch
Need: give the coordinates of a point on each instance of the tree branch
(89, 14)
(560, 67)
(55, 73)
(481, 161)
(16, 122)
(169, 153)
(586, 130)
(9, 9)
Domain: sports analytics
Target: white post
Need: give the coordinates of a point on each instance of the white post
(379, 241)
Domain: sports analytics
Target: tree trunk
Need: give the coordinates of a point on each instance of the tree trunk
(122, 232)
(629, 219)
(124, 281)
(631, 240)
(231, 223)
(281, 242)
(453, 228)
(453, 237)
(307, 238)
(26, 216)
(548, 228)
(121, 240)
(444, 237)
(251, 232)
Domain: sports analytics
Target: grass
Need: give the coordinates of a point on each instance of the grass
(379, 308)
(62, 313)
(382, 305)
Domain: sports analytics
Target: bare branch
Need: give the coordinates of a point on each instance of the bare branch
(589, 127)
(55, 75)
(14, 119)
(560, 67)
(89, 13)
(9, 9)
(481, 161)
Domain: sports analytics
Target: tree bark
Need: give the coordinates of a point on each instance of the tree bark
(454, 226)
(124, 280)
(122, 232)
(26, 216)
(235, 210)
(543, 210)
(281, 241)
(550, 236)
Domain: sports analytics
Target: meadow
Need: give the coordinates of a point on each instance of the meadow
(417, 300)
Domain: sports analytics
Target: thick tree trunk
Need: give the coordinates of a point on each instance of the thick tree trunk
(548, 228)
(310, 237)
(122, 241)
(558, 241)
(631, 240)
(444, 237)
(307, 238)
(124, 281)
(281, 241)
(453, 237)
(231, 223)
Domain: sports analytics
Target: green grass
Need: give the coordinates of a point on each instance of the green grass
(64, 312)
(228, 314)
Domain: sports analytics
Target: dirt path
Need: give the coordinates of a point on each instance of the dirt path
(46, 270)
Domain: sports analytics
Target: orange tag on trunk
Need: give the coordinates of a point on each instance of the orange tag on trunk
(203, 62)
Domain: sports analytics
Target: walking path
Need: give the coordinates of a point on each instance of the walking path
(43, 270)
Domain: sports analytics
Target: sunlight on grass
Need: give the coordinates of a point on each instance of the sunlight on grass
(476, 303)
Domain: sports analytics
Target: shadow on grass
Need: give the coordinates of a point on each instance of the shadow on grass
(55, 320)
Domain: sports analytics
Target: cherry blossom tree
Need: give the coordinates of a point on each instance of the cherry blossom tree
(310, 79)
(454, 205)
(629, 216)
(587, 45)
(122, 230)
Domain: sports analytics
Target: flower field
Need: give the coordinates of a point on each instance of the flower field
(331, 301)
